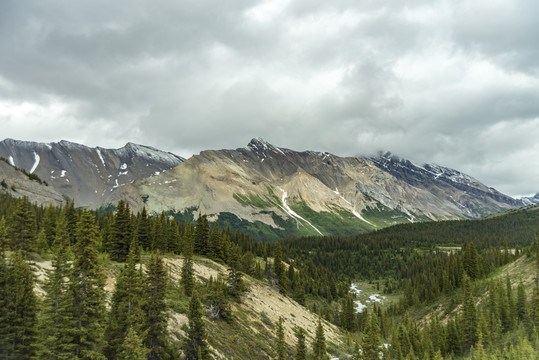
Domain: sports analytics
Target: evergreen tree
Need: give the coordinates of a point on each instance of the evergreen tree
(20, 335)
(23, 227)
(278, 269)
(5, 302)
(132, 347)
(236, 285)
(3, 235)
(521, 304)
(201, 235)
(126, 308)
(371, 341)
(144, 230)
(319, 342)
(470, 261)
(301, 347)
(87, 286)
(219, 303)
(195, 345)
(348, 316)
(48, 224)
(469, 316)
(122, 232)
(72, 218)
(187, 279)
(155, 308)
(280, 346)
(56, 327)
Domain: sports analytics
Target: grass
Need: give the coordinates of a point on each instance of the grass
(253, 200)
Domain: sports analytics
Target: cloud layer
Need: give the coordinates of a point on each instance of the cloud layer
(451, 82)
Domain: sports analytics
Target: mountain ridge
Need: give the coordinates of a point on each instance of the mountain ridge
(315, 192)
(271, 191)
(83, 173)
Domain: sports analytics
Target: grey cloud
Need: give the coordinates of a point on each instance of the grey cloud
(450, 82)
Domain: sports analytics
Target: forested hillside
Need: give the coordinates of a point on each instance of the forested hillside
(116, 284)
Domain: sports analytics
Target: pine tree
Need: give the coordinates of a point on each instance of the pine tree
(201, 235)
(280, 345)
(371, 341)
(57, 318)
(219, 303)
(155, 308)
(521, 304)
(469, 316)
(3, 235)
(87, 287)
(195, 345)
(20, 339)
(278, 269)
(319, 342)
(122, 232)
(187, 279)
(23, 228)
(236, 285)
(126, 308)
(48, 224)
(5, 302)
(348, 316)
(301, 347)
(144, 230)
(132, 347)
(470, 261)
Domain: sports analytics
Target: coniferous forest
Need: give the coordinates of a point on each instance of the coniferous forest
(462, 289)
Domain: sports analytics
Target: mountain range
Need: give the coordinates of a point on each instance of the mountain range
(265, 190)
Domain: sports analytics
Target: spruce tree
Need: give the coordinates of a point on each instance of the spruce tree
(56, 326)
(201, 235)
(144, 230)
(469, 316)
(126, 308)
(319, 342)
(521, 304)
(23, 227)
(87, 286)
(132, 347)
(236, 285)
(187, 278)
(301, 347)
(5, 302)
(122, 232)
(3, 235)
(219, 302)
(371, 341)
(20, 339)
(195, 345)
(280, 345)
(155, 308)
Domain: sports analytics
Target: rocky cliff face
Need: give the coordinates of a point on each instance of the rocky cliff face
(86, 174)
(15, 183)
(265, 190)
(299, 193)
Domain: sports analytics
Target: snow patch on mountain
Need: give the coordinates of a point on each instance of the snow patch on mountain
(36, 162)
(11, 161)
(100, 156)
(358, 215)
(293, 213)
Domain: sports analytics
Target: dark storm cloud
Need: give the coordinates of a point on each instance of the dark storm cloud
(451, 82)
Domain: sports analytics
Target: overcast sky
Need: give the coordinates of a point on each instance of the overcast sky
(454, 82)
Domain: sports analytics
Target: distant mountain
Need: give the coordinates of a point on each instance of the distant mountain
(86, 174)
(273, 192)
(18, 184)
(473, 198)
(530, 200)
